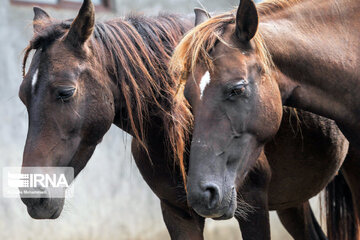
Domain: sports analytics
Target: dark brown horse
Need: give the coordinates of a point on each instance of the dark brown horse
(83, 77)
(237, 107)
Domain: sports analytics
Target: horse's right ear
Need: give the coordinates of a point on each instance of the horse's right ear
(247, 20)
(201, 16)
(83, 25)
(40, 17)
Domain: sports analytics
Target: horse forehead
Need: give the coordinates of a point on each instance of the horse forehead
(230, 64)
(63, 59)
(228, 55)
(60, 54)
(33, 70)
(34, 79)
(205, 80)
(54, 71)
(62, 65)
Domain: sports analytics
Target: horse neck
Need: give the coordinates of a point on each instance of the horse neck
(153, 103)
(314, 45)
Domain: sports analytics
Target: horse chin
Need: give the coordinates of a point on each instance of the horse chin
(229, 212)
(45, 208)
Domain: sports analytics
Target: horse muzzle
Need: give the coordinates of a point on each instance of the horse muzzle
(44, 207)
(209, 202)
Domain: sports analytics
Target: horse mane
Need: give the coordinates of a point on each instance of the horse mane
(272, 6)
(135, 52)
(196, 46)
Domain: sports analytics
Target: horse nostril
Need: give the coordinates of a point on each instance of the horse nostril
(212, 195)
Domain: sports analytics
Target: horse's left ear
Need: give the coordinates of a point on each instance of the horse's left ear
(201, 16)
(83, 25)
(40, 17)
(247, 20)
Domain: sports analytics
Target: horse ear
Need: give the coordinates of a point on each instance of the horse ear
(83, 25)
(201, 16)
(247, 20)
(40, 16)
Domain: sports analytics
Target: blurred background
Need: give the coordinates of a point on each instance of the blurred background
(125, 208)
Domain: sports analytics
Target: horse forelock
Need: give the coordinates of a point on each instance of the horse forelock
(196, 46)
(135, 52)
(50, 31)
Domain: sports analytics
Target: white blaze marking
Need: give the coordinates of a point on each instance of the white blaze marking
(35, 78)
(205, 80)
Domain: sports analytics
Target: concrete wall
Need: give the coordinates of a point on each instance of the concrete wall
(125, 208)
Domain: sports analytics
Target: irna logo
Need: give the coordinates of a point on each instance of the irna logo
(38, 182)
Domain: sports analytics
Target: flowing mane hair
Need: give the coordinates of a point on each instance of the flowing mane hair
(196, 46)
(135, 52)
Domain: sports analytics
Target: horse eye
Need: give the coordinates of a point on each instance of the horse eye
(237, 89)
(65, 93)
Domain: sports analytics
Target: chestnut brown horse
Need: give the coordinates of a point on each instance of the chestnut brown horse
(84, 76)
(242, 89)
